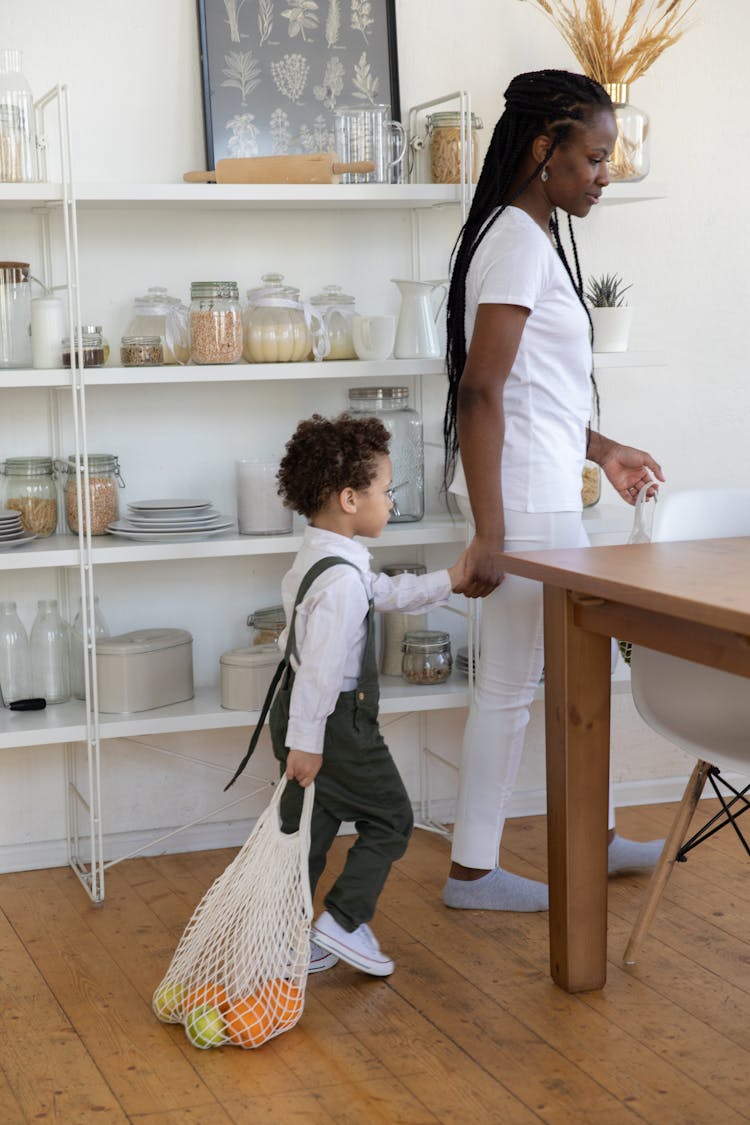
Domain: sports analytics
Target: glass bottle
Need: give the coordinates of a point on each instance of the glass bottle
(15, 315)
(631, 157)
(427, 657)
(391, 406)
(30, 489)
(395, 624)
(101, 629)
(15, 666)
(50, 667)
(215, 322)
(336, 309)
(18, 156)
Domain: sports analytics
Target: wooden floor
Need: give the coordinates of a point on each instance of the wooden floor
(468, 1029)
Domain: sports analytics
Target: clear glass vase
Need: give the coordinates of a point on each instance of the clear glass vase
(631, 158)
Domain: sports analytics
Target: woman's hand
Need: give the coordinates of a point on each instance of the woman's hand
(303, 767)
(629, 470)
(481, 570)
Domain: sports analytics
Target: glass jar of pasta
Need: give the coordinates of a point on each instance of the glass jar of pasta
(30, 489)
(104, 479)
(446, 150)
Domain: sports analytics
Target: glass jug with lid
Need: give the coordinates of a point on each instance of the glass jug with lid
(31, 489)
(158, 314)
(15, 314)
(337, 309)
(278, 327)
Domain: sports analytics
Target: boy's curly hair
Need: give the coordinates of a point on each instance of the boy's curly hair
(325, 455)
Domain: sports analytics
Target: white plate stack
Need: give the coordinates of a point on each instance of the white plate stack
(171, 521)
(12, 533)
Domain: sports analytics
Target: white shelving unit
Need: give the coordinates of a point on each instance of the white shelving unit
(79, 723)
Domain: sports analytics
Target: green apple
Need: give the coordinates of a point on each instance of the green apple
(205, 1027)
(167, 1001)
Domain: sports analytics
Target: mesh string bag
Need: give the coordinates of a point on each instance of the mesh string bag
(239, 972)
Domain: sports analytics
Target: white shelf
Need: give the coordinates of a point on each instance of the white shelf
(62, 550)
(65, 722)
(263, 372)
(272, 197)
(604, 361)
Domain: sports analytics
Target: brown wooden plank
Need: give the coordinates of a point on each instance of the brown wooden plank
(113, 1022)
(30, 1019)
(626, 1063)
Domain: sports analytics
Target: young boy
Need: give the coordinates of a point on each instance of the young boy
(324, 721)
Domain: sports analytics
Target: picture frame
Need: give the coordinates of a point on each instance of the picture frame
(274, 71)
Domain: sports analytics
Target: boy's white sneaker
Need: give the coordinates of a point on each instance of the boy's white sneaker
(359, 948)
(321, 959)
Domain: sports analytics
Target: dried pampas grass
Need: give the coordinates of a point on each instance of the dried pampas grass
(610, 52)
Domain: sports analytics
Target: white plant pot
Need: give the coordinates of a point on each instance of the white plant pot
(611, 328)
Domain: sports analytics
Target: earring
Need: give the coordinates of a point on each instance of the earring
(544, 176)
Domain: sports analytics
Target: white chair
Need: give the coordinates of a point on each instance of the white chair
(701, 710)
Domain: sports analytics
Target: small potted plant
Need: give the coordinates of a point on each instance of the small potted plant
(611, 315)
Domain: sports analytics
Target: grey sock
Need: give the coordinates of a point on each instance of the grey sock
(499, 890)
(632, 855)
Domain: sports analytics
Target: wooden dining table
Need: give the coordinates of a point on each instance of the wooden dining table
(690, 599)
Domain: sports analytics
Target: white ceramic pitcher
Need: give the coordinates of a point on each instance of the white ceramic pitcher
(416, 333)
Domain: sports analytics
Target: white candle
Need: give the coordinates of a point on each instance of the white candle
(47, 332)
(260, 509)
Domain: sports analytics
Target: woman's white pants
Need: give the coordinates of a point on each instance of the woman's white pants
(510, 667)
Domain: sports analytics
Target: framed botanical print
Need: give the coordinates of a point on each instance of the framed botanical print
(275, 71)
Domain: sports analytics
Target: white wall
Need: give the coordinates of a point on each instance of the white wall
(133, 75)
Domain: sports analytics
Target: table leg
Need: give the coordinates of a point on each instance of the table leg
(577, 706)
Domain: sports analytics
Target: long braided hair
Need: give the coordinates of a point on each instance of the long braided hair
(542, 101)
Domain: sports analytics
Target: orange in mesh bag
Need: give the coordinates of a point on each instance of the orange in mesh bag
(239, 972)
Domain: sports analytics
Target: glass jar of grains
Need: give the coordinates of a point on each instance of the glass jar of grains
(141, 351)
(444, 136)
(426, 656)
(30, 489)
(103, 481)
(215, 322)
(267, 625)
(591, 484)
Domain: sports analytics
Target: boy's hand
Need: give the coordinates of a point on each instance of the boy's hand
(457, 572)
(303, 767)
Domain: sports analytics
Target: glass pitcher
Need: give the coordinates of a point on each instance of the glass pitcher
(365, 134)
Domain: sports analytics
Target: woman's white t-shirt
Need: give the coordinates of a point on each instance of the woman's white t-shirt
(547, 395)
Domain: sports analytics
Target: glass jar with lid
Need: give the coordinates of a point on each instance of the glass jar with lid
(94, 353)
(15, 313)
(267, 625)
(215, 322)
(158, 314)
(391, 406)
(141, 351)
(426, 656)
(591, 484)
(444, 136)
(337, 309)
(104, 479)
(278, 327)
(30, 488)
(395, 625)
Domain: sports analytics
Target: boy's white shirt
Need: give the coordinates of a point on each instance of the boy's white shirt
(331, 627)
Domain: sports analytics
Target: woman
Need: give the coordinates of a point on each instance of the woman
(519, 405)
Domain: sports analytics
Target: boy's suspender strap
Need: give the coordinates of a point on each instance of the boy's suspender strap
(314, 572)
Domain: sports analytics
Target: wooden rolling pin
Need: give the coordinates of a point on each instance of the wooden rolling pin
(312, 168)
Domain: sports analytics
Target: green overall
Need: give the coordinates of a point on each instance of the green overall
(357, 782)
